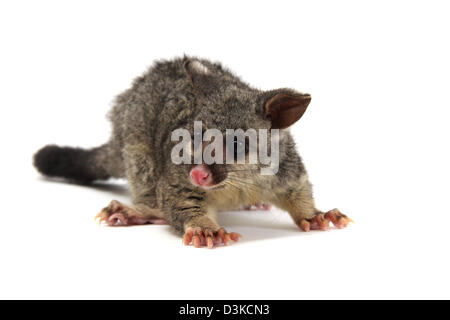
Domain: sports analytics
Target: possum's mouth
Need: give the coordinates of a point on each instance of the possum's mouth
(216, 187)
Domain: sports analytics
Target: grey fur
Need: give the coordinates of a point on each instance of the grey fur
(170, 95)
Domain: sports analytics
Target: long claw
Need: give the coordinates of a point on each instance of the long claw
(226, 239)
(235, 236)
(209, 242)
(187, 238)
(196, 241)
(100, 217)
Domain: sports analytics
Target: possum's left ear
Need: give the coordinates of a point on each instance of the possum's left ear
(286, 107)
(200, 76)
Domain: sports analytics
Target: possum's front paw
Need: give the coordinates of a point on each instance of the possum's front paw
(206, 237)
(322, 221)
(118, 214)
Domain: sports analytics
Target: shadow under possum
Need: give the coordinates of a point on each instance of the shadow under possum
(260, 225)
(254, 225)
(118, 189)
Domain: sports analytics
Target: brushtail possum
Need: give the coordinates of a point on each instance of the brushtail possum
(177, 94)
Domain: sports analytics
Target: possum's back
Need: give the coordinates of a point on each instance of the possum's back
(158, 102)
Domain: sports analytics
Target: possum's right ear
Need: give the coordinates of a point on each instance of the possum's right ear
(285, 107)
(199, 75)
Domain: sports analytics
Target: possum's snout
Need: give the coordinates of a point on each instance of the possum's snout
(208, 176)
(201, 176)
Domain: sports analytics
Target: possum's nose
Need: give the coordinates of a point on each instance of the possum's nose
(201, 176)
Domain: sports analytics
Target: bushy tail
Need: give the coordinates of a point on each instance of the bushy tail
(80, 165)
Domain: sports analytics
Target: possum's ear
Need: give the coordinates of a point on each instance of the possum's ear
(285, 108)
(199, 75)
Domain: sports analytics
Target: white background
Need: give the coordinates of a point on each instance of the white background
(374, 139)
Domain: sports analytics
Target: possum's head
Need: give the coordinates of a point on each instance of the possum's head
(226, 103)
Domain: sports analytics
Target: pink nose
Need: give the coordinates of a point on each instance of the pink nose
(201, 175)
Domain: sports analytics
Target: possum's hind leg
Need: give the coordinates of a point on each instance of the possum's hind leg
(118, 214)
(138, 164)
